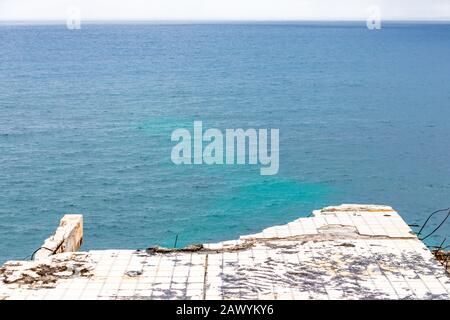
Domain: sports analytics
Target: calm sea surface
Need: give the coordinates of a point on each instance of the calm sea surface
(86, 117)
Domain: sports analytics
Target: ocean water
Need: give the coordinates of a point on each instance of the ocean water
(86, 117)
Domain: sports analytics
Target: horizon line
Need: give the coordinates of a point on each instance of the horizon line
(216, 21)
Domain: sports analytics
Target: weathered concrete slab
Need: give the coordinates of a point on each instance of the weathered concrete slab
(343, 252)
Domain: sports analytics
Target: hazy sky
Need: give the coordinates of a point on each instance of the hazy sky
(224, 9)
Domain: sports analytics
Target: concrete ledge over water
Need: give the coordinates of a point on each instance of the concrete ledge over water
(342, 252)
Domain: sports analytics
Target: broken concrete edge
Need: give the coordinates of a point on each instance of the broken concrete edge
(353, 208)
(68, 237)
(332, 231)
(329, 225)
(322, 232)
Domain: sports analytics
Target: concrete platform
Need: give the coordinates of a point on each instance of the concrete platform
(342, 252)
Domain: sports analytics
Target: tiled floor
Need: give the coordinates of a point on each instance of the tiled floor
(345, 252)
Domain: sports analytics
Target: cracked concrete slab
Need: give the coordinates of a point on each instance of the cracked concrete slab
(340, 252)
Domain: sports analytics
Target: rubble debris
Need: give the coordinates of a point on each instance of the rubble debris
(45, 272)
(443, 257)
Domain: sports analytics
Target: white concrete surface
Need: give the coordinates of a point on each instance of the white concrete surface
(343, 252)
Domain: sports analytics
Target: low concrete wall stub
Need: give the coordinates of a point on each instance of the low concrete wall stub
(68, 237)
